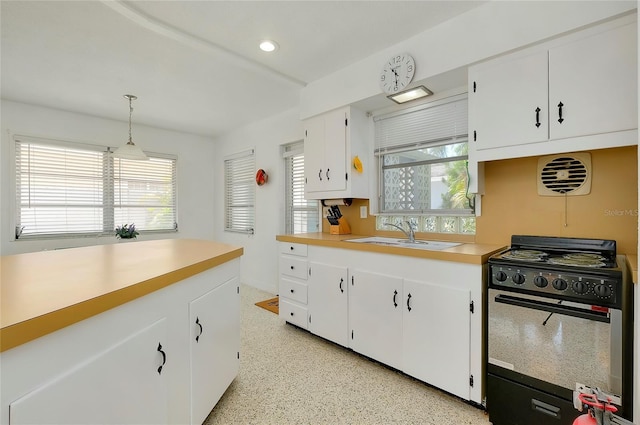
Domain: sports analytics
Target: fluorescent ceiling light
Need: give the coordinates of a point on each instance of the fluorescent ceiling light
(411, 94)
(268, 46)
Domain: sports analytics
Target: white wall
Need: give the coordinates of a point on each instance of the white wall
(195, 168)
(260, 259)
(489, 30)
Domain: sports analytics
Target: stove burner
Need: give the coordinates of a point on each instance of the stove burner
(525, 255)
(577, 260)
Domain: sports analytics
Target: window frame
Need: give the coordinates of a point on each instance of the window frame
(106, 191)
(246, 180)
(290, 151)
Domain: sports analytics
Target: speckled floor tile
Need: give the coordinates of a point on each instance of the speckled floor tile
(288, 376)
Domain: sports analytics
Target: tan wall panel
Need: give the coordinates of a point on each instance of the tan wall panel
(511, 204)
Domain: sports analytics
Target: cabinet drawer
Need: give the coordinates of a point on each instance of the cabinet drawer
(293, 249)
(291, 266)
(293, 313)
(293, 290)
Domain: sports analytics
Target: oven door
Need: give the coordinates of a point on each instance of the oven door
(552, 341)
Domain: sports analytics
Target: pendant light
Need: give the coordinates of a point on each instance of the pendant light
(130, 150)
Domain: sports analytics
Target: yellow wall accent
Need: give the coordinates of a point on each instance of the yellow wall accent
(511, 204)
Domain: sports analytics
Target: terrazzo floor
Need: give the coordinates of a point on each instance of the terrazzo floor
(288, 376)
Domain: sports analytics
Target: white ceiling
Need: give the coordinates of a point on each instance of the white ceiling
(194, 65)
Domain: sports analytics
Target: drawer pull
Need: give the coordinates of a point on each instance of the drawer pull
(164, 358)
(291, 267)
(291, 313)
(291, 248)
(292, 291)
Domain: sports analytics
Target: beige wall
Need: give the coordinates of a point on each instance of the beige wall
(512, 204)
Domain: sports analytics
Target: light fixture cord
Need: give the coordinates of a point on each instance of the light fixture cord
(130, 112)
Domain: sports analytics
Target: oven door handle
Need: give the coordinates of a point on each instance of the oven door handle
(553, 308)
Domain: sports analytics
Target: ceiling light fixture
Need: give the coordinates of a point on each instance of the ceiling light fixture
(130, 150)
(268, 46)
(410, 94)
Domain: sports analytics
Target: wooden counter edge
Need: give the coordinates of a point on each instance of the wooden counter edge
(23, 332)
(338, 241)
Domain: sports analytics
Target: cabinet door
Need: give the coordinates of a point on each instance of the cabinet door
(596, 80)
(508, 105)
(335, 154)
(122, 385)
(215, 344)
(436, 335)
(314, 168)
(328, 297)
(375, 316)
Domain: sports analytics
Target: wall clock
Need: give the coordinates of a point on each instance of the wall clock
(397, 73)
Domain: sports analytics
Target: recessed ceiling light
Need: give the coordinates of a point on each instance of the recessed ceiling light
(411, 94)
(268, 46)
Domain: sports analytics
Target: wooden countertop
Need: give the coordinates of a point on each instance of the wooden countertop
(465, 253)
(44, 291)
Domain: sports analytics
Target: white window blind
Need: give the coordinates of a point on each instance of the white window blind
(439, 122)
(301, 215)
(239, 183)
(69, 189)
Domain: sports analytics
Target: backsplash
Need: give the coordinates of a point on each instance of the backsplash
(511, 204)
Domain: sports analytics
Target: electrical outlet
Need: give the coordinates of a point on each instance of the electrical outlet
(363, 211)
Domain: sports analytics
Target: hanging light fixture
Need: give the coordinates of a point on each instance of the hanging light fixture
(130, 150)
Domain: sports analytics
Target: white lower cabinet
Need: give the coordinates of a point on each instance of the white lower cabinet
(328, 302)
(436, 335)
(375, 316)
(383, 306)
(138, 363)
(293, 284)
(215, 346)
(123, 384)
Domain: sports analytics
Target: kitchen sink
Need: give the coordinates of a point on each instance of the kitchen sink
(406, 243)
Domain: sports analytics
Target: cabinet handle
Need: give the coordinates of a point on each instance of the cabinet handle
(395, 294)
(560, 119)
(327, 174)
(292, 291)
(291, 248)
(408, 302)
(198, 323)
(320, 174)
(164, 358)
(291, 267)
(538, 117)
(341, 280)
(291, 313)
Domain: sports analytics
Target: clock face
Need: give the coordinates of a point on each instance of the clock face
(397, 73)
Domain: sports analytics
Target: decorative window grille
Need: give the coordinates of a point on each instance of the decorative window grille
(422, 155)
(66, 189)
(240, 194)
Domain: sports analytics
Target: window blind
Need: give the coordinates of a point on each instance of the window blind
(301, 215)
(240, 195)
(70, 189)
(439, 122)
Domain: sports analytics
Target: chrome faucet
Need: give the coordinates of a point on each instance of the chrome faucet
(409, 234)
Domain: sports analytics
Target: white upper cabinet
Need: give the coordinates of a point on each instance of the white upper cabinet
(331, 142)
(508, 102)
(594, 82)
(561, 96)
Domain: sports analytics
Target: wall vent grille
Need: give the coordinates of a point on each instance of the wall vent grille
(565, 174)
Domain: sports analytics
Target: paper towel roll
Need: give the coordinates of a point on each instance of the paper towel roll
(330, 202)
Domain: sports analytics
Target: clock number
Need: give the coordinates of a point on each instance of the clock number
(383, 77)
(409, 68)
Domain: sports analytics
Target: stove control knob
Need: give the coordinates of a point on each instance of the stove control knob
(518, 278)
(602, 291)
(501, 276)
(560, 284)
(580, 287)
(540, 281)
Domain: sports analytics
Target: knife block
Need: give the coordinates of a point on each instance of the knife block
(342, 228)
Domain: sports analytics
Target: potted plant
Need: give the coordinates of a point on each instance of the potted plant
(126, 231)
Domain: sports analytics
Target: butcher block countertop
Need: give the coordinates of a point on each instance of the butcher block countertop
(471, 253)
(42, 292)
